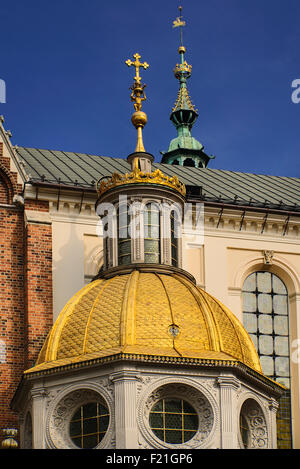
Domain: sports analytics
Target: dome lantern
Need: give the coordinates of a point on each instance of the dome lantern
(142, 210)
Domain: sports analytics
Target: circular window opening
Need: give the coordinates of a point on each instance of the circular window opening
(173, 421)
(89, 425)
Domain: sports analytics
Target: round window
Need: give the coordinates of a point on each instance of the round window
(89, 424)
(173, 420)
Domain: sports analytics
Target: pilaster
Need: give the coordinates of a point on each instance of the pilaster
(38, 418)
(229, 419)
(125, 409)
(273, 406)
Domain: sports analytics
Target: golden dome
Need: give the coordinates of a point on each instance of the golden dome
(161, 314)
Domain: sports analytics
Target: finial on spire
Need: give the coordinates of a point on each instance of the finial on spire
(139, 118)
(137, 64)
(179, 23)
(182, 71)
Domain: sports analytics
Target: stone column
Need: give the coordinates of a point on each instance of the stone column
(38, 418)
(137, 230)
(125, 409)
(228, 412)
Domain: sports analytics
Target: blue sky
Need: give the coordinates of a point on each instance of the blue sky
(67, 84)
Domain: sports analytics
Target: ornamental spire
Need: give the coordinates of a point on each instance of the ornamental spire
(182, 71)
(139, 118)
(184, 150)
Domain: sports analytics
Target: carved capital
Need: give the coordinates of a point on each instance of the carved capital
(273, 405)
(39, 393)
(228, 382)
(123, 376)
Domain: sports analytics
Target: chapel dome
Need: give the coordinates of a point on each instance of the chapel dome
(154, 313)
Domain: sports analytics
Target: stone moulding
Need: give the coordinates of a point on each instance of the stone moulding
(190, 389)
(64, 405)
(161, 360)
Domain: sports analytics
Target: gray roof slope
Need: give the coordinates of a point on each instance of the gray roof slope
(83, 170)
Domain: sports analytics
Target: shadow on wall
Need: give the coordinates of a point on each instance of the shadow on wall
(77, 259)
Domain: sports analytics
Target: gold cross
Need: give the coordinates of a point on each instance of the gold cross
(137, 64)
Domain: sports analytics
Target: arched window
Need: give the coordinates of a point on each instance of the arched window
(4, 192)
(7, 186)
(253, 427)
(174, 237)
(265, 316)
(189, 162)
(106, 243)
(124, 239)
(152, 234)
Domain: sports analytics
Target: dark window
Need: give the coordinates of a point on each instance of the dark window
(173, 421)
(89, 425)
(174, 237)
(189, 162)
(124, 239)
(244, 429)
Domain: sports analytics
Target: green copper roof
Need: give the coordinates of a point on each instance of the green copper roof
(83, 170)
(187, 142)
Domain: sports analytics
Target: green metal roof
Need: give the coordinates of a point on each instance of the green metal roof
(83, 170)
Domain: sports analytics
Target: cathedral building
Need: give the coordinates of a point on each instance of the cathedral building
(147, 305)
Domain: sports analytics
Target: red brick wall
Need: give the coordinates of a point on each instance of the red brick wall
(39, 306)
(38, 205)
(12, 309)
(25, 289)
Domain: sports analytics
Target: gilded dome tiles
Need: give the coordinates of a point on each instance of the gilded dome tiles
(149, 313)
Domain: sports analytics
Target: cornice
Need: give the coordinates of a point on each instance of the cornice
(243, 370)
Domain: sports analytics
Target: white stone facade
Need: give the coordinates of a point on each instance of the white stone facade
(129, 391)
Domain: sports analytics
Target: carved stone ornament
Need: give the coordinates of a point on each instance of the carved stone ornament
(268, 257)
(257, 425)
(62, 410)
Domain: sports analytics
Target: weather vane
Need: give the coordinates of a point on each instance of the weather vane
(179, 23)
(183, 70)
(139, 118)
